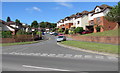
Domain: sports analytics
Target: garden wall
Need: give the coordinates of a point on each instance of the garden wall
(99, 39)
(18, 38)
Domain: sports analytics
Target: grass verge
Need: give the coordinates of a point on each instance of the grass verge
(105, 33)
(18, 43)
(107, 48)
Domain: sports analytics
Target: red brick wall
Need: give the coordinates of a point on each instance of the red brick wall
(99, 39)
(7, 40)
(107, 25)
(19, 38)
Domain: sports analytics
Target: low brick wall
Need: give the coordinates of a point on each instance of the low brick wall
(7, 40)
(99, 39)
(19, 38)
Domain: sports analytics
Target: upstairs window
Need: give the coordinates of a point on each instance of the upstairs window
(97, 10)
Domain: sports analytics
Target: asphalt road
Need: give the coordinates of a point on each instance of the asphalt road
(48, 56)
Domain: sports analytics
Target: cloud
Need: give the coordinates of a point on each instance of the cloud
(33, 9)
(65, 4)
(36, 8)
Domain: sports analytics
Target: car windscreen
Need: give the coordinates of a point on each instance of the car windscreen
(60, 36)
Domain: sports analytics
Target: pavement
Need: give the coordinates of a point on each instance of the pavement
(48, 56)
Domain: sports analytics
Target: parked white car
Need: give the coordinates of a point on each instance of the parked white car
(61, 38)
(51, 33)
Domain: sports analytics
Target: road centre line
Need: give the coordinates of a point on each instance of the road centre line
(55, 69)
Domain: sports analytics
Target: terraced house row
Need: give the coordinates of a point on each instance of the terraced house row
(89, 20)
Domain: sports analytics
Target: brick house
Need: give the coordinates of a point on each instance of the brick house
(97, 18)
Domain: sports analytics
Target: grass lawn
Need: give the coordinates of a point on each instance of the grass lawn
(105, 33)
(18, 43)
(108, 48)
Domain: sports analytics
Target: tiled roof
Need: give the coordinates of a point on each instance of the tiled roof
(78, 15)
(85, 12)
(92, 11)
(102, 7)
(10, 23)
(3, 22)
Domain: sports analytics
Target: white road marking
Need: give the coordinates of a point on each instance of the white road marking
(99, 57)
(52, 55)
(16, 53)
(88, 56)
(12, 53)
(63, 55)
(31, 53)
(68, 55)
(35, 54)
(112, 58)
(60, 55)
(55, 69)
(44, 54)
(78, 56)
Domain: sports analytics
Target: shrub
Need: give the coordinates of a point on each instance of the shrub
(6, 34)
(54, 29)
(71, 31)
(79, 30)
(39, 33)
(98, 28)
(66, 31)
(21, 32)
(60, 30)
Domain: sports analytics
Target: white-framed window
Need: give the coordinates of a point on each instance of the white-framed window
(97, 10)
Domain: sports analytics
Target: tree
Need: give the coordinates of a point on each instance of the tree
(34, 24)
(47, 25)
(43, 25)
(17, 21)
(114, 14)
(8, 19)
(53, 25)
